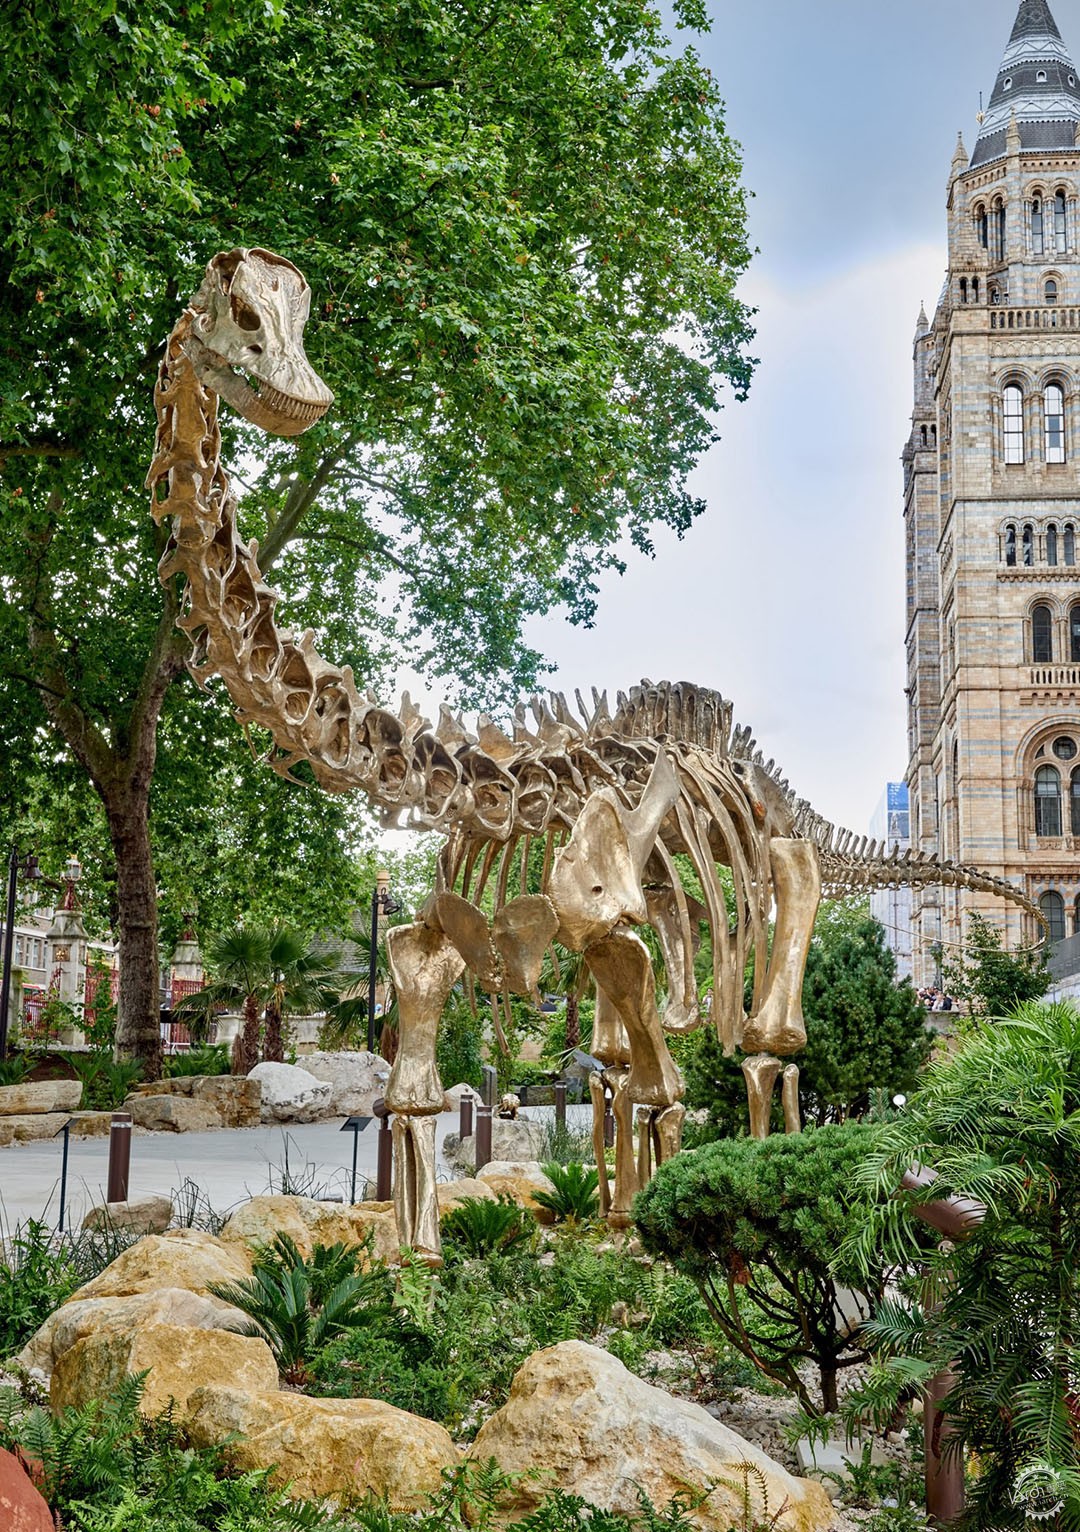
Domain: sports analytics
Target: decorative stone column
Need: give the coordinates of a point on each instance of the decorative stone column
(65, 948)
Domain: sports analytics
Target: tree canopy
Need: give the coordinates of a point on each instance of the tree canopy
(523, 227)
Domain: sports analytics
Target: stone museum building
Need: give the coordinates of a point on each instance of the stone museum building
(992, 511)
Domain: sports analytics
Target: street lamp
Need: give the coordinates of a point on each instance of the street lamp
(382, 903)
(27, 866)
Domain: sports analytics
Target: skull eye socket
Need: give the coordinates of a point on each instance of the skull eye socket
(244, 316)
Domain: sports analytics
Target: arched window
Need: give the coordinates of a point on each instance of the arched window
(1069, 541)
(982, 225)
(1074, 804)
(1040, 77)
(1037, 246)
(1013, 423)
(1042, 635)
(1048, 802)
(1061, 243)
(963, 289)
(1050, 291)
(1076, 916)
(1053, 907)
(1054, 420)
(1010, 546)
(1029, 547)
(924, 438)
(1074, 633)
(997, 230)
(1051, 545)
(974, 289)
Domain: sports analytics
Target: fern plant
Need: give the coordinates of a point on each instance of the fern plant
(574, 1196)
(480, 1226)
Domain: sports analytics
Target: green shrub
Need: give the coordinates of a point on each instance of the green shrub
(16, 1068)
(480, 1226)
(457, 1047)
(758, 1226)
(207, 1059)
(106, 1082)
(36, 1277)
(999, 1124)
(575, 1193)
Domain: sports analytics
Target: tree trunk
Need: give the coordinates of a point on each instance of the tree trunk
(245, 1052)
(573, 1022)
(138, 1031)
(273, 1037)
(828, 1389)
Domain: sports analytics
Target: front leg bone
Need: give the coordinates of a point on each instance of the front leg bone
(778, 1026)
(623, 970)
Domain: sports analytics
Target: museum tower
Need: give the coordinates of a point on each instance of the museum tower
(992, 511)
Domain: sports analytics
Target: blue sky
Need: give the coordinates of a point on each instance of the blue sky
(787, 596)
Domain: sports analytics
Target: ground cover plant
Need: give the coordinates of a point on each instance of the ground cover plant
(757, 1226)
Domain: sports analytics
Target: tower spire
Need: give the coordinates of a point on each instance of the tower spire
(1038, 83)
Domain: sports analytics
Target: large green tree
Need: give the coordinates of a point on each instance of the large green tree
(523, 226)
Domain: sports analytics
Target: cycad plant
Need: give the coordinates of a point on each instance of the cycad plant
(297, 1304)
(998, 1123)
(482, 1226)
(574, 1196)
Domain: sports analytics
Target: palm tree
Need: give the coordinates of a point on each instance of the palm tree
(265, 970)
(566, 973)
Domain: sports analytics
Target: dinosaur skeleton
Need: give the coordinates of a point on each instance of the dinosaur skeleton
(572, 827)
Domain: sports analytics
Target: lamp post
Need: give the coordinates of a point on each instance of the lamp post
(382, 903)
(27, 866)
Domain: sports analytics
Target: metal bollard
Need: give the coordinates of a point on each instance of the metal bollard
(119, 1157)
(465, 1127)
(384, 1164)
(483, 1137)
(560, 1103)
(490, 1087)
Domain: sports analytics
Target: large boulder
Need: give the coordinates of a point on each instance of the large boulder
(340, 1449)
(141, 1215)
(91, 1125)
(290, 1094)
(177, 1360)
(510, 1140)
(519, 1180)
(355, 1080)
(169, 1113)
(309, 1223)
(182, 1258)
(32, 1127)
(453, 1193)
(235, 1099)
(22, 1507)
(40, 1096)
(595, 1430)
(459, 1093)
(79, 1317)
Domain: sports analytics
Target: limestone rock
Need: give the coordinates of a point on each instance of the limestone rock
(162, 1306)
(602, 1433)
(143, 1215)
(182, 1258)
(459, 1093)
(40, 1096)
(91, 1125)
(22, 1507)
(519, 1180)
(33, 1127)
(355, 1080)
(520, 1140)
(235, 1098)
(179, 1361)
(333, 1448)
(290, 1094)
(173, 1114)
(453, 1193)
(311, 1223)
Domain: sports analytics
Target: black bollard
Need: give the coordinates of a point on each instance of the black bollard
(560, 1103)
(465, 1126)
(384, 1172)
(119, 1157)
(483, 1137)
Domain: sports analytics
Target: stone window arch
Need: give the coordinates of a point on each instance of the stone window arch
(1012, 420)
(1050, 290)
(1074, 633)
(1074, 803)
(1042, 634)
(997, 230)
(1048, 803)
(1038, 235)
(1028, 545)
(1076, 916)
(1061, 225)
(1052, 545)
(982, 225)
(1053, 907)
(1068, 544)
(1054, 422)
(1010, 545)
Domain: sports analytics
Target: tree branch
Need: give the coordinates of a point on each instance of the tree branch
(300, 499)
